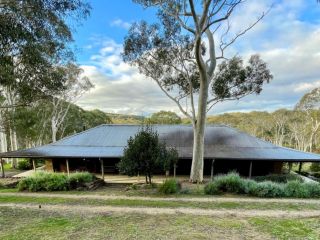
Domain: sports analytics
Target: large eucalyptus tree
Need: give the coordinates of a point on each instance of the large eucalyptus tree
(35, 37)
(181, 55)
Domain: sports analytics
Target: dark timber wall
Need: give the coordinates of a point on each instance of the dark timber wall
(183, 167)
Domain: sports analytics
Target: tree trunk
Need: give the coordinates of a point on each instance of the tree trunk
(13, 145)
(149, 178)
(196, 175)
(54, 130)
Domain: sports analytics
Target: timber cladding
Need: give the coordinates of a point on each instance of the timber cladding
(49, 165)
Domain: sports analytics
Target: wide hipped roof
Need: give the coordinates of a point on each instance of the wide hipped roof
(221, 142)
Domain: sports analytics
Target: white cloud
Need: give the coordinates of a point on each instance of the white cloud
(119, 88)
(288, 44)
(303, 87)
(120, 23)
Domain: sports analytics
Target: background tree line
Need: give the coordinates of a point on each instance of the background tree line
(297, 128)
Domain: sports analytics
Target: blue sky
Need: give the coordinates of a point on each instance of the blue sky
(288, 39)
(108, 20)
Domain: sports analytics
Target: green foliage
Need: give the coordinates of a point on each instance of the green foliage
(44, 181)
(165, 117)
(313, 189)
(315, 167)
(233, 183)
(80, 178)
(269, 190)
(212, 188)
(234, 80)
(30, 127)
(24, 164)
(159, 50)
(249, 187)
(170, 186)
(145, 154)
(297, 190)
(170, 157)
(279, 178)
(38, 33)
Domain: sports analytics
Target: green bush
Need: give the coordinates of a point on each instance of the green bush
(24, 164)
(80, 177)
(249, 187)
(269, 189)
(44, 181)
(170, 186)
(296, 189)
(231, 182)
(279, 178)
(315, 167)
(313, 189)
(212, 188)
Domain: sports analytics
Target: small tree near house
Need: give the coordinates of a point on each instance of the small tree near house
(144, 154)
(170, 160)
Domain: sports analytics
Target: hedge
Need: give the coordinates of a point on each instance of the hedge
(44, 181)
(233, 183)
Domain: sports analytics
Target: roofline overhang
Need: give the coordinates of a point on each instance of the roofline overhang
(183, 157)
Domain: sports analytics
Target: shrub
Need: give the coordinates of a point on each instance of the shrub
(296, 189)
(313, 189)
(80, 178)
(279, 178)
(231, 182)
(315, 167)
(170, 186)
(44, 181)
(249, 187)
(24, 164)
(212, 189)
(269, 189)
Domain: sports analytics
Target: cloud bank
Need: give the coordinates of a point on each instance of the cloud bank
(286, 39)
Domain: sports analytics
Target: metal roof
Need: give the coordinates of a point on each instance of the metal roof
(221, 142)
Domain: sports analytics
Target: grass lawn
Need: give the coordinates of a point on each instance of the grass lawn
(37, 224)
(17, 222)
(162, 204)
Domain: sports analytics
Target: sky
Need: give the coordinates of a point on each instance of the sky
(288, 39)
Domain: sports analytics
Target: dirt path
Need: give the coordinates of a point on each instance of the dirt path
(87, 209)
(180, 199)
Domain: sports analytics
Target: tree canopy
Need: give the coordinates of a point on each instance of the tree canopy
(165, 117)
(184, 52)
(35, 48)
(145, 154)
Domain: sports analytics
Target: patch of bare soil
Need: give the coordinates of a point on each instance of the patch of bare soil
(9, 182)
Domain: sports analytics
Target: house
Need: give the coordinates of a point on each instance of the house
(99, 150)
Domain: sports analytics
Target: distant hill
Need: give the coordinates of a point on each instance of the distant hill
(125, 118)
